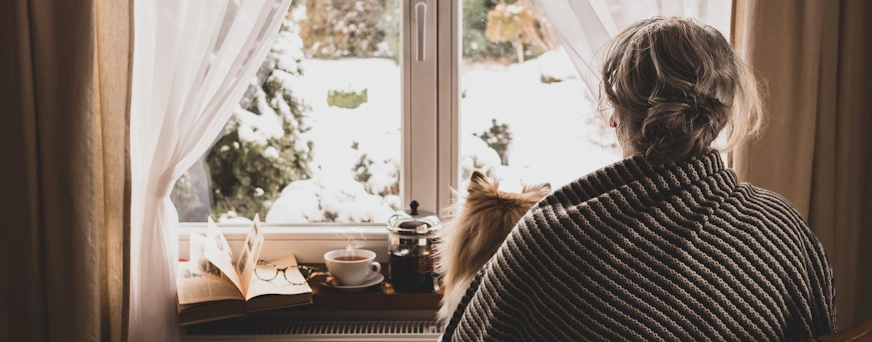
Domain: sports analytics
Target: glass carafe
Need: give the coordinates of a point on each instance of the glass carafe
(412, 237)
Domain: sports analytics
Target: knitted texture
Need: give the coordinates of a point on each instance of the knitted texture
(651, 253)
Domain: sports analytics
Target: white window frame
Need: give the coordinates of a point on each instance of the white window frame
(430, 107)
(430, 157)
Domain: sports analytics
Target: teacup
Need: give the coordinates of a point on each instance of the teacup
(351, 266)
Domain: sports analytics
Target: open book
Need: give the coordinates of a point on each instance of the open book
(211, 285)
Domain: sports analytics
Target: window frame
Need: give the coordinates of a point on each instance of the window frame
(430, 108)
(430, 111)
(430, 144)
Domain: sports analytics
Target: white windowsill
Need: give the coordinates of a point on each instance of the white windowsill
(307, 242)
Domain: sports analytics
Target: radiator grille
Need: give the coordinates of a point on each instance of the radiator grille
(316, 328)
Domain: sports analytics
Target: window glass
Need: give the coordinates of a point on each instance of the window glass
(316, 137)
(525, 114)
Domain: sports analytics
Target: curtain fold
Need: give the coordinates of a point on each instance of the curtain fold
(584, 26)
(64, 84)
(193, 62)
(814, 58)
(113, 71)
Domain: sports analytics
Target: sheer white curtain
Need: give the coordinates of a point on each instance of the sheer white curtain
(192, 62)
(584, 26)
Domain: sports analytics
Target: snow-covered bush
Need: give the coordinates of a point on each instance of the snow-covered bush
(475, 154)
(555, 66)
(330, 200)
(347, 98)
(264, 147)
(378, 176)
(342, 28)
(498, 138)
(377, 164)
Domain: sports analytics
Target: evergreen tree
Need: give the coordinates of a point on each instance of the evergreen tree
(264, 147)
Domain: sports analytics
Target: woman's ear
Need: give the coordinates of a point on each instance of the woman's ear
(612, 122)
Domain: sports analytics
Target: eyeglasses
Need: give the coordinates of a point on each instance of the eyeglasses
(268, 271)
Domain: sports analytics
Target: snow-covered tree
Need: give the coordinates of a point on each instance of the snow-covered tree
(264, 147)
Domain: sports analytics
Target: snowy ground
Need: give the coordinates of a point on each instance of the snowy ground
(554, 127)
(375, 125)
(554, 136)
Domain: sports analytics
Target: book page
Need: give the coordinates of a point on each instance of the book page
(279, 285)
(197, 261)
(218, 252)
(250, 253)
(195, 287)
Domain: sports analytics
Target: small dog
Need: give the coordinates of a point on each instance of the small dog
(478, 226)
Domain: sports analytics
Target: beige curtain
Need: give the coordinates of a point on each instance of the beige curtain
(65, 200)
(814, 57)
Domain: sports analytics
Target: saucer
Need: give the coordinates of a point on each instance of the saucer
(374, 279)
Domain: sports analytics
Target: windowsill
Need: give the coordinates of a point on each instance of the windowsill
(308, 243)
(372, 299)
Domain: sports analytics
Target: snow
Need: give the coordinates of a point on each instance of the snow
(552, 124)
(271, 152)
(258, 128)
(317, 200)
(476, 154)
(374, 125)
(515, 9)
(554, 127)
(287, 80)
(231, 217)
(298, 13)
(555, 64)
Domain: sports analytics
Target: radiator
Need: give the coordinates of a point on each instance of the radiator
(370, 331)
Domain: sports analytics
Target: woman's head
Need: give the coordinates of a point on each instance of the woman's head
(674, 85)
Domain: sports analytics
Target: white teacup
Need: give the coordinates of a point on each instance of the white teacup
(351, 267)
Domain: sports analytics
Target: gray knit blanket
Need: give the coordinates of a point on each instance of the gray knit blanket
(653, 253)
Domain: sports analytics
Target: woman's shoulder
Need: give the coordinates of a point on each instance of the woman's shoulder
(767, 200)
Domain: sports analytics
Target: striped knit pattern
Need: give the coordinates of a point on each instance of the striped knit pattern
(654, 253)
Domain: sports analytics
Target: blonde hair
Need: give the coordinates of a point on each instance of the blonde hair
(674, 86)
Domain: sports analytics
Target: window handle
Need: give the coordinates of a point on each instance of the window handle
(420, 21)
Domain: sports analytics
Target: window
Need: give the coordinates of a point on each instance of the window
(525, 114)
(316, 137)
(364, 105)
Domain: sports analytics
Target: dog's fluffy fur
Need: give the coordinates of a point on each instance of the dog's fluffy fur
(478, 226)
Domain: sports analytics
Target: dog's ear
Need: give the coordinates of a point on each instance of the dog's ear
(477, 181)
(544, 187)
(478, 177)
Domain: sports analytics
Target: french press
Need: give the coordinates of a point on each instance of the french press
(412, 237)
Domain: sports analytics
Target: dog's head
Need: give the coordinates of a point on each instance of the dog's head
(479, 223)
(491, 208)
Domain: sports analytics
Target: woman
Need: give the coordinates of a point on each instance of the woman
(667, 244)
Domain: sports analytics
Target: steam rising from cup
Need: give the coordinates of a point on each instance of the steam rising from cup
(353, 239)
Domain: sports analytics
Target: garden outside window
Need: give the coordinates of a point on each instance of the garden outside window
(363, 106)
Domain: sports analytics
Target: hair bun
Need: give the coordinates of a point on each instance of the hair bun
(672, 130)
(675, 85)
